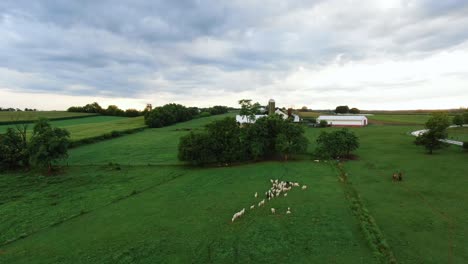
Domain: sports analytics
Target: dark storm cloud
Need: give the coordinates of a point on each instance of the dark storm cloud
(126, 48)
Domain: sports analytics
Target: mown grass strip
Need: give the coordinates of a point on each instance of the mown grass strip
(369, 227)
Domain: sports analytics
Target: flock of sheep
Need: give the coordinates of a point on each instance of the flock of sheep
(277, 189)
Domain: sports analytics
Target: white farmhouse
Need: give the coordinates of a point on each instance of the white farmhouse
(344, 120)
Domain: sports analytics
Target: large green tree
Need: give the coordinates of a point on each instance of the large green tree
(196, 148)
(48, 144)
(458, 120)
(291, 140)
(336, 144)
(436, 130)
(249, 109)
(342, 109)
(225, 140)
(13, 148)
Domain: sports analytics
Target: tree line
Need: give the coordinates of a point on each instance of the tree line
(174, 113)
(10, 109)
(344, 109)
(46, 145)
(111, 110)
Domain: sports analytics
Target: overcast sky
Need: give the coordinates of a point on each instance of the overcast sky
(366, 53)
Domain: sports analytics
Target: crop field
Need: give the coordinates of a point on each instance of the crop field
(129, 200)
(92, 126)
(31, 116)
(308, 114)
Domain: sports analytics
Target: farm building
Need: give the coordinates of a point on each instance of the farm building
(344, 120)
(241, 119)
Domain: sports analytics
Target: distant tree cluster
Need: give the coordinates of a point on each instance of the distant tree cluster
(344, 109)
(47, 145)
(174, 113)
(167, 115)
(460, 119)
(436, 130)
(111, 110)
(225, 142)
(336, 144)
(17, 109)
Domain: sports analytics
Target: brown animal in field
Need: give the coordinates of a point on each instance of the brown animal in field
(397, 176)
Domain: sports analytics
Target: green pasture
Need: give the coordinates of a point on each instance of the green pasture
(423, 217)
(154, 214)
(31, 116)
(458, 133)
(129, 200)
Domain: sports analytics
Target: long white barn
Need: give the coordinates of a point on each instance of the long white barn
(344, 120)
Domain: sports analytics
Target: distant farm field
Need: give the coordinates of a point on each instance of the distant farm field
(6, 116)
(129, 200)
(383, 119)
(308, 114)
(92, 126)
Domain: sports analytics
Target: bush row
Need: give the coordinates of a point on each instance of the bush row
(106, 136)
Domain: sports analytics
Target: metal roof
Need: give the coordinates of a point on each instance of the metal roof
(342, 117)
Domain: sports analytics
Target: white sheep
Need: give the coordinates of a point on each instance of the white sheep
(285, 194)
(273, 211)
(317, 160)
(256, 194)
(252, 206)
(304, 187)
(235, 216)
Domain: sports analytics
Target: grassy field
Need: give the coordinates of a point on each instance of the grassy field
(458, 133)
(92, 126)
(30, 116)
(383, 119)
(151, 209)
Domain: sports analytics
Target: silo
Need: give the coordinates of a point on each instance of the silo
(271, 107)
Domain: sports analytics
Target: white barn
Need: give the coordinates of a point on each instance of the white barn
(344, 120)
(241, 119)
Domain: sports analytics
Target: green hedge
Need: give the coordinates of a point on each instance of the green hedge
(106, 136)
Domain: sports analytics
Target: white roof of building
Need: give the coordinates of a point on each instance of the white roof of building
(342, 117)
(242, 119)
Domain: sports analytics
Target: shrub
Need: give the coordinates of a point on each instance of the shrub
(323, 123)
(204, 114)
